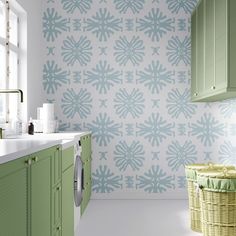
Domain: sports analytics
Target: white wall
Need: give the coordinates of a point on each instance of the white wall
(33, 9)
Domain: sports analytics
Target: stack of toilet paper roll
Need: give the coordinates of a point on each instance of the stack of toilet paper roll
(45, 122)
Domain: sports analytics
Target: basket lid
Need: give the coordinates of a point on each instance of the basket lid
(191, 170)
(223, 180)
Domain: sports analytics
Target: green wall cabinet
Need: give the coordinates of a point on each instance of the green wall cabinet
(86, 157)
(213, 37)
(30, 195)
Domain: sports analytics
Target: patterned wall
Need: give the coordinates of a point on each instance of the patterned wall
(121, 68)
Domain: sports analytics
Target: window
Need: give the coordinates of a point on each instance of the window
(10, 52)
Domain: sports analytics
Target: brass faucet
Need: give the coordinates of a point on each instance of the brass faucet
(13, 91)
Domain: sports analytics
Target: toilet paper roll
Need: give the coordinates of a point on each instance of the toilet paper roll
(40, 113)
(48, 111)
(49, 126)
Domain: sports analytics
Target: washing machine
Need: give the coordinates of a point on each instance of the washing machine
(78, 185)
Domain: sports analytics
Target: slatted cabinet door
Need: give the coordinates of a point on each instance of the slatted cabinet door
(13, 198)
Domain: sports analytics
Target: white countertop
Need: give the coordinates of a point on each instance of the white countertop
(11, 149)
(22, 145)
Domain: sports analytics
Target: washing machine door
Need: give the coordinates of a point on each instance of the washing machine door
(78, 181)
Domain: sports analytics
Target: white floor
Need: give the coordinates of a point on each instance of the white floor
(136, 218)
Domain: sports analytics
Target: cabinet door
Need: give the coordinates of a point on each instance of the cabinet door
(210, 46)
(68, 202)
(221, 44)
(200, 48)
(13, 198)
(40, 186)
(194, 55)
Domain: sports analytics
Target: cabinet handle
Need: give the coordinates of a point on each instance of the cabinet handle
(213, 87)
(35, 159)
(58, 188)
(58, 228)
(28, 162)
(195, 94)
(58, 148)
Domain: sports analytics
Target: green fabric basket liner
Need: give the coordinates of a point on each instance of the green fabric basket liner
(220, 180)
(191, 170)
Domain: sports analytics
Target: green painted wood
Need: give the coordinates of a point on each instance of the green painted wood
(68, 202)
(209, 46)
(200, 48)
(56, 166)
(232, 44)
(13, 199)
(67, 158)
(219, 53)
(194, 55)
(86, 158)
(40, 194)
(221, 44)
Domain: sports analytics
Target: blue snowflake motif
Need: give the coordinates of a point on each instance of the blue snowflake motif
(134, 5)
(208, 129)
(103, 24)
(180, 104)
(126, 103)
(76, 51)
(126, 51)
(53, 24)
(73, 103)
(186, 5)
(71, 5)
(228, 108)
(103, 77)
(155, 25)
(155, 180)
(155, 77)
(53, 77)
(104, 181)
(180, 155)
(227, 153)
(179, 51)
(155, 129)
(129, 155)
(104, 129)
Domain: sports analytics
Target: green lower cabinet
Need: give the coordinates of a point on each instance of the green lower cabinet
(40, 194)
(86, 157)
(30, 195)
(13, 198)
(68, 202)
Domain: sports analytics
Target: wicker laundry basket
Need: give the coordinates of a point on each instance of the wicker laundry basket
(218, 202)
(194, 201)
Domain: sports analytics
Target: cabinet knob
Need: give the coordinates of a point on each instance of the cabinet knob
(195, 94)
(58, 188)
(35, 159)
(213, 87)
(58, 228)
(28, 162)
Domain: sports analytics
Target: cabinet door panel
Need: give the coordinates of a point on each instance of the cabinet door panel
(41, 196)
(210, 46)
(68, 202)
(200, 48)
(221, 44)
(194, 55)
(13, 203)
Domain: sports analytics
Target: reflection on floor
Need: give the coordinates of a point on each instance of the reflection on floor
(136, 218)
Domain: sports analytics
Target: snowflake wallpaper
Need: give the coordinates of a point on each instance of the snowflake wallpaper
(121, 68)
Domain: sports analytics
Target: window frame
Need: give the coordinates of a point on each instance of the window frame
(10, 47)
